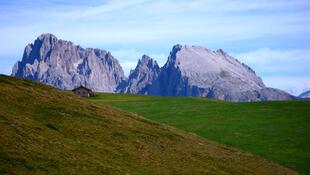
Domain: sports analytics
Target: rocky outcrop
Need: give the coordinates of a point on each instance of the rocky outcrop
(62, 64)
(197, 71)
(141, 78)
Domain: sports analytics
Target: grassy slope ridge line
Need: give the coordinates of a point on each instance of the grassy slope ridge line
(45, 130)
(276, 130)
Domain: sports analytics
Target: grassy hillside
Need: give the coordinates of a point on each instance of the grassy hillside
(279, 131)
(48, 131)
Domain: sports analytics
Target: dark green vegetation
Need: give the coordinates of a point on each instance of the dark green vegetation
(279, 130)
(48, 131)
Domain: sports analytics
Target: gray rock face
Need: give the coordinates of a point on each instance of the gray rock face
(197, 71)
(305, 94)
(141, 78)
(64, 65)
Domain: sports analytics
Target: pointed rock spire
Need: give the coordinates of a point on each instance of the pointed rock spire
(142, 76)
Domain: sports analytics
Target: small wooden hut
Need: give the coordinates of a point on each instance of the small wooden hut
(83, 91)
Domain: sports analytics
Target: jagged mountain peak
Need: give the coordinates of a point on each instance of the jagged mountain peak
(144, 59)
(46, 36)
(141, 77)
(64, 65)
(46, 39)
(147, 61)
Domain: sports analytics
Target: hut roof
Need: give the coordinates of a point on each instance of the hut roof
(81, 87)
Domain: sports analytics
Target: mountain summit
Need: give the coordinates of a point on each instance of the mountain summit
(62, 64)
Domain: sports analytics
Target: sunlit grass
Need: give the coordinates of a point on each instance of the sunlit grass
(278, 130)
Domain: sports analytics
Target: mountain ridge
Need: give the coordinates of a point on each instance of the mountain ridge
(189, 71)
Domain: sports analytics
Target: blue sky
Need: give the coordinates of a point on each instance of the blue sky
(273, 37)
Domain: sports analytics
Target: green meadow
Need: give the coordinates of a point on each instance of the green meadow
(48, 131)
(276, 130)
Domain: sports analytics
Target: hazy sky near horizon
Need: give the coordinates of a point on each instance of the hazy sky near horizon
(273, 37)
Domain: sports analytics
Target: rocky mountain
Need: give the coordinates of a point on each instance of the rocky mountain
(305, 94)
(141, 78)
(62, 64)
(197, 71)
(189, 71)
